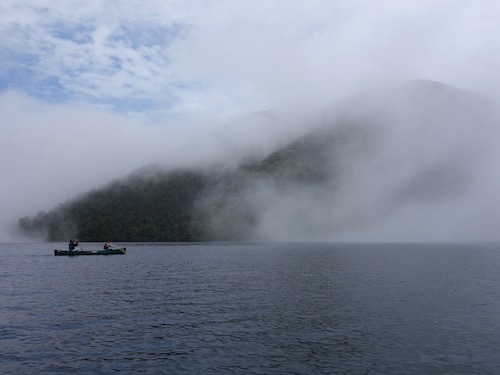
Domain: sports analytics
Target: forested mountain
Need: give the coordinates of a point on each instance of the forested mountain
(367, 159)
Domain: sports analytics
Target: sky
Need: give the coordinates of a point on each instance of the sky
(91, 90)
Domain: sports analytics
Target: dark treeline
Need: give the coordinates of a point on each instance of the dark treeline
(158, 208)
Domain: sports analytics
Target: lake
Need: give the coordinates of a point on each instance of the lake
(237, 308)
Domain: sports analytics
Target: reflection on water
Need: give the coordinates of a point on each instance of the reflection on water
(252, 308)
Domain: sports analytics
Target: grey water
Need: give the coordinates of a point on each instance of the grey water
(287, 308)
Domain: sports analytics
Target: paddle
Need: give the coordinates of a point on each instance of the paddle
(80, 246)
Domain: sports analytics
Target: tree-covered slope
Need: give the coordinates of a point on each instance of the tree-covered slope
(372, 158)
(152, 208)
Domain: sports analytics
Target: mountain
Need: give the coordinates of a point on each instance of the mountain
(397, 152)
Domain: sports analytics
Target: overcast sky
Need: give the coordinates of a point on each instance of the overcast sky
(90, 90)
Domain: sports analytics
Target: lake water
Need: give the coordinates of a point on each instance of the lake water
(251, 309)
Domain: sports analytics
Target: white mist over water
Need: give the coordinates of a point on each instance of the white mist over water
(418, 169)
(53, 153)
(414, 166)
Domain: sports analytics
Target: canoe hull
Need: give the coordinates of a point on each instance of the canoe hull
(122, 250)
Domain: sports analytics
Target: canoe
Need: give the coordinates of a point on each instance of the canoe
(121, 250)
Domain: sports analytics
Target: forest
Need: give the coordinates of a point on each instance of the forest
(152, 204)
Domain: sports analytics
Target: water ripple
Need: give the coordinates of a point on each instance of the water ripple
(257, 309)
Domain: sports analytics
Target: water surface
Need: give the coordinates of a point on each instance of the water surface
(251, 309)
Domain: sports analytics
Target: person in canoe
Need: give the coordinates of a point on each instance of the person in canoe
(108, 245)
(72, 244)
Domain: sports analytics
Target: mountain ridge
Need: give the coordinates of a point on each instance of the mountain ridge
(313, 187)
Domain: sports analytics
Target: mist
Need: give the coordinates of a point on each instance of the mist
(89, 93)
(413, 162)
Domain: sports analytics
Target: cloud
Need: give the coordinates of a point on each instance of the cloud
(192, 55)
(319, 51)
(96, 52)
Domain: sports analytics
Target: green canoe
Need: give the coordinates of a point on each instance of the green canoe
(121, 250)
